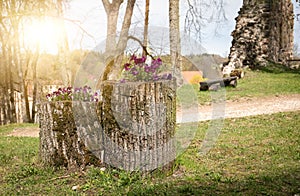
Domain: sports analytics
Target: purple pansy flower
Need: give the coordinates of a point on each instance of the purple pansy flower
(133, 57)
(127, 66)
(147, 69)
(139, 61)
(139, 69)
(134, 72)
(67, 93)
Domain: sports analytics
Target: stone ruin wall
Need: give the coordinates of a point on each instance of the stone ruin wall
(263, 32)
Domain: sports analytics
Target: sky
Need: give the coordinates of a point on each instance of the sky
(91, 17)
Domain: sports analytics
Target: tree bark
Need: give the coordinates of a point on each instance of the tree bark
(60, 142)
(112, 14)
(63, 48)
(175, 45)
(13, 117)
(132, 128)
(146, 26)
(26, 102)
(115, 50)
(6, 103)
(35, 88)
(139, 122)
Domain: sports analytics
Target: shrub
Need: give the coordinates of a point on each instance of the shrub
(196, 79)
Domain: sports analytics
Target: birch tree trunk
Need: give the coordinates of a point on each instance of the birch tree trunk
(146, 26)
(115, 49)
(112, 13)
(35, 88)
(63, 47)
(175, 45)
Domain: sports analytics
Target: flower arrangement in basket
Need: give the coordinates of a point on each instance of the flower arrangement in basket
(139, 69)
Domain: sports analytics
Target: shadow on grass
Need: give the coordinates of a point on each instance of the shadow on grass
(279, 183)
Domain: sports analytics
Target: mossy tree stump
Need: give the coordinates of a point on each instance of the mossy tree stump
(131, 128)
(61, 140)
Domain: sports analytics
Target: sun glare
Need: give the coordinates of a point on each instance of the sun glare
(43, 34)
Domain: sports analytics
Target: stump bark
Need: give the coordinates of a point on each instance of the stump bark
(131, 128)
(61, 143)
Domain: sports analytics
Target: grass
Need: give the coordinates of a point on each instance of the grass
(8, 128)
(253, 156)
(263, 82)
(260, 84)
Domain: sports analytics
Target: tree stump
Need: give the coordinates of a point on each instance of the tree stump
(131, 128)
(61, 142)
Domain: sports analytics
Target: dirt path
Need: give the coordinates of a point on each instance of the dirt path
(25, 132)
(243, 107)
(230, 109)
(268, 105)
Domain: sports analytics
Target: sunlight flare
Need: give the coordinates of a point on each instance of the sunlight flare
(44, 35)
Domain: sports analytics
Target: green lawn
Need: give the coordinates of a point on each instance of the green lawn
(259, 83)
(253, 156)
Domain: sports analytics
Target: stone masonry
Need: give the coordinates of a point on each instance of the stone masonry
(263, 32)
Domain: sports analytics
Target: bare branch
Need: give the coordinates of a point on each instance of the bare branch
(106, 5)
(142, 45)
(201, 12)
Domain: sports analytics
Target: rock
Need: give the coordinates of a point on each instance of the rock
(263, 32)
(214, 87)
(74, 188)
(238, 73)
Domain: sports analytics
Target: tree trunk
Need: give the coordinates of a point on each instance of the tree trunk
(132, 128)
(146, 25)
(35, 88)
(112, 13)
(175, 45)
(26, 105)
(1, 105)
(63, 48)
(3, 117)
(60, 142)
(6, 106)
(139, 122)
(26, 102)
(115, 50)
(13, 117)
